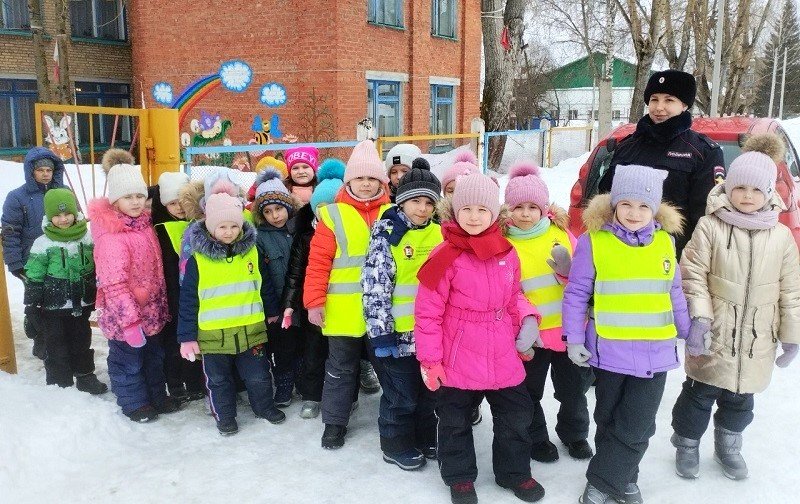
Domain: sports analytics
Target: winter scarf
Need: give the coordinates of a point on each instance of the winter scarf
(538, 229)
(485, 245)
(664, 132)
(401, 224)
(764, 219)
(73, 233)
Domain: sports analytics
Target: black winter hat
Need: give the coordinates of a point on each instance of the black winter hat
(418, 182)
(673, 82)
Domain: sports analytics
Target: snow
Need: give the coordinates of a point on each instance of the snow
(60, 445)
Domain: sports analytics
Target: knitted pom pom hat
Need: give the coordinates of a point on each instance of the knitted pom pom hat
(465, 163)
(756, 166)
(365, 162)
(477, 189)
(223, 207)
(330, 175)
(418, 182)
(271, 190)
(525, 185)
(122, 176)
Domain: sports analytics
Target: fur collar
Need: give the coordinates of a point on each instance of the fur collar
(599, 213)
(201, 241)
(104, 218)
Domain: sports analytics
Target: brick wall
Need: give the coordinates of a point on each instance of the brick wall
(325, 46)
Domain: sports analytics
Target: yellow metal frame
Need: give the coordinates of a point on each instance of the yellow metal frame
(8, 357)
(413, 138)
(588, 129)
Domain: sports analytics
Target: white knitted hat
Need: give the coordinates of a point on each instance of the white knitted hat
(169, 184)
(122, 176)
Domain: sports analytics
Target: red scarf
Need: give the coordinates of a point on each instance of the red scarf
(485, 245)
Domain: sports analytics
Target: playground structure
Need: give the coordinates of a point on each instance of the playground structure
(155, 143)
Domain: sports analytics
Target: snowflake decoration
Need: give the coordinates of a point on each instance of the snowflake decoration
(162, 93)
(273, 94)
(235, 75)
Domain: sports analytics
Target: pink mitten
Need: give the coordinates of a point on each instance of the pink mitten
(189, 349)
(433, 376)
(287, 318)
(317, 316)
(134, 336)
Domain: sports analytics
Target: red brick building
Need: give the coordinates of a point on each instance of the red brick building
(412, 66)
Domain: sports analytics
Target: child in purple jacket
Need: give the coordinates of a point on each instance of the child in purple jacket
(625, 278)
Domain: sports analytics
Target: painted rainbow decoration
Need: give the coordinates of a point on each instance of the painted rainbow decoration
(194, 93)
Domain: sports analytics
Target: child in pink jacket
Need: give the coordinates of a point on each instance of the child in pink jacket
(538, 231)
(472, 325)
(131, 292)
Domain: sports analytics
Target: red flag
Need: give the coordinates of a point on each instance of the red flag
(504, 39)
(56, 67)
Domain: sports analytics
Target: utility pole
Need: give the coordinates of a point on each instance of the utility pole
(783, 83)
(715, 79)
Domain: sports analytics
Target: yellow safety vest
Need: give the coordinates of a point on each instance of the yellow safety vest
(344, 314)
(229, 291)
(175, 230)
(409, 255)
(539, 282)
(632, 286)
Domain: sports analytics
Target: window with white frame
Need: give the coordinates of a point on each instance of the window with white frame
(385, 12)
(17, 97)
(14, 15)
(442, 109)
(103, 19)
(103, 94)
(383, 106)
(443, 18)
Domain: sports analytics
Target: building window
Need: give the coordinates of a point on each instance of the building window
(572, 115)
(103, 19)
(443, 19)
(616, 115)
(103, 95)
(14, 15)
(17, 97)
(385, 12)
(383, 106)
(442, 109)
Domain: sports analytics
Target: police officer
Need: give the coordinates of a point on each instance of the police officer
(663, 139)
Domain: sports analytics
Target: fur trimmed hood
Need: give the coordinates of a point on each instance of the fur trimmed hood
(201, 241)
(599, 212)
(190, 196)
(104, 218)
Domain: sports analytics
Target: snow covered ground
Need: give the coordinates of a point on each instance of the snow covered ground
(64, 446)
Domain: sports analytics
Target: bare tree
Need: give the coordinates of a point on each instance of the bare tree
(646, 34)
(531, 88)
(502, 66)
(39, 50)
(677, 32)
(64, 86)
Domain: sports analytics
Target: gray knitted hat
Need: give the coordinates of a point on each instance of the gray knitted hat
(636, 182)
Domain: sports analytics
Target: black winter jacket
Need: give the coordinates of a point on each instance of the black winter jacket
(688, 157)
(169, 257)
(298, 261)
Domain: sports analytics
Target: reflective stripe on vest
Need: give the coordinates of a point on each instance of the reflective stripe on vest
(409, 255)
(175, 230)
(229, 292)
(344, 314)
(632, 287)
(539, 282)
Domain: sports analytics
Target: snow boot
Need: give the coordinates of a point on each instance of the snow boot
(687, 456)
(632, 495)
(168, 405)
(89, 383)
(144, 414)
(463, 493)
(592, 495)
(429, 452)
(310, 409)
(527, 491)
(544, 452)
(333, 437)
(475, 417)
(368, 379)
(227, 427)
(284, 384)
(409, 460)
(273, 415)
(727, 453)
(579, 450)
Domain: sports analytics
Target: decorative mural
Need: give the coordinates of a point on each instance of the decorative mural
(208, 130)
(58, 136)
(316, 120)
(273, 94)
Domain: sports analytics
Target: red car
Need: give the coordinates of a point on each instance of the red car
(729, 132)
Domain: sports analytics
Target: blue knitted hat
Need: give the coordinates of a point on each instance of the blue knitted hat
(271, 190)
(329, 176)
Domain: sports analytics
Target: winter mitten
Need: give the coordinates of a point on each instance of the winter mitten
(433, 376)
(528, 336)
(134, 336)
(316, 316)
(699, 340)
(388, 351)
(287, 318)
(272, 320)
(788, 355)
(578, 354)
(561, 260)
(189, 349)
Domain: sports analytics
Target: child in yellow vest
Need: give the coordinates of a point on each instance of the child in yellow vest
(331, 290)
(399, 243)
(538, 232)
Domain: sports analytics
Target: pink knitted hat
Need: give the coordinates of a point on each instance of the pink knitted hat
(304, 154)
(365, 162)
(526, 186)
(223, 207)
(464, 164)
(477, 189)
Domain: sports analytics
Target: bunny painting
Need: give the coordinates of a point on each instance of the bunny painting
(58, 136)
